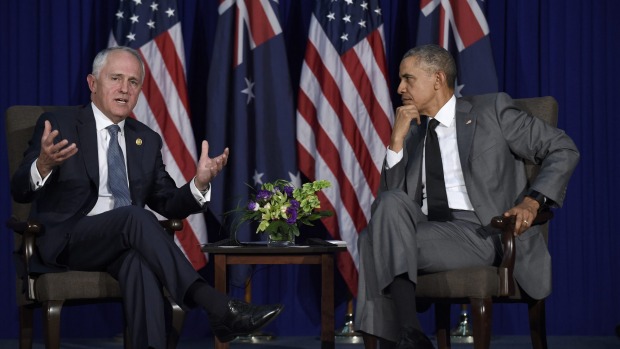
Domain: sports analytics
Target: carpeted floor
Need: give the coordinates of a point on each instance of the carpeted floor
(505, 342)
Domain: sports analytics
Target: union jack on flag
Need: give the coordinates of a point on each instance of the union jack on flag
(154, 29)
(345, 116)
(460, 26)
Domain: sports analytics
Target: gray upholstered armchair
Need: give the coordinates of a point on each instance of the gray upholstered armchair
(51, 290)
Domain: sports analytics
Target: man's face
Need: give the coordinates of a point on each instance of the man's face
(115, 92)
(417, 85)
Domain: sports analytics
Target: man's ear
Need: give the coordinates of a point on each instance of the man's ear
(91, 79)
(440, 79)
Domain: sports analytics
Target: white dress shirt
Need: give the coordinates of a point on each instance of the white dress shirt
(452, 171)
(105, 201)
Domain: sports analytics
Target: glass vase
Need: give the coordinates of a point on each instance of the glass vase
(281, 238)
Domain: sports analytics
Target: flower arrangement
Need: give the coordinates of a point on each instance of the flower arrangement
(279, 208)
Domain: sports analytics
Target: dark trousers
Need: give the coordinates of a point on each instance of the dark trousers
(131, 245)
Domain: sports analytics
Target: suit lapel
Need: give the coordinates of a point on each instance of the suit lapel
(465, 127)
(414, 169)
(87, 133)
(133, 145)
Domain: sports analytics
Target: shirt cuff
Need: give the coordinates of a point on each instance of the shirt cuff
(36, 181)
(202, 197)
(392, 158)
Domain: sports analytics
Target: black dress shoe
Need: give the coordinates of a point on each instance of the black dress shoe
(412, 338)
(242, 319)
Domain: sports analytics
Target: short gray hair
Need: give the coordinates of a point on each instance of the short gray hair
(102, 56)
(436, 58)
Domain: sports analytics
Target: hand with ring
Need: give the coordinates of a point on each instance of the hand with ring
(525, 212)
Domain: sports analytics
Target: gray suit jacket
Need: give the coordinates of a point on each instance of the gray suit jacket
(494, 137)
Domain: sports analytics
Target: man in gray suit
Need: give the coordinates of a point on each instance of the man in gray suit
(482, 143)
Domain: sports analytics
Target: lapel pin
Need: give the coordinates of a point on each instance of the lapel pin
(468, 122)
(139, 141)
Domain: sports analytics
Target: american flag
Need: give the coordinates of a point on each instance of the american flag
(345, 116)
(154, 29)
(249, 108)
(461, 27)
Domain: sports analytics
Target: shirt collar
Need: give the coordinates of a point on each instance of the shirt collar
(445, 115)
(102, 121)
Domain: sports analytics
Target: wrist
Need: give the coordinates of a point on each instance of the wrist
(538, 198)
(203, 188)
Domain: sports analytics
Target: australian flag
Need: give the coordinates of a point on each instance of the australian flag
(460, 26)
(249, 108)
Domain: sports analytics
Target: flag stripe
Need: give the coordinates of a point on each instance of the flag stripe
(342, 225)
(330, 154)
(163, 103)
(334, 97)
(190, 237)
(362, 117)
(363, 84)
(344, 117)
(176, 147)
(172, 62)
(170, 133)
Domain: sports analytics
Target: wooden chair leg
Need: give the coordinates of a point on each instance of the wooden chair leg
(442, 324)
(178, 318)
(538, 326)
(25, 326)
(482, 312)
(51, 323)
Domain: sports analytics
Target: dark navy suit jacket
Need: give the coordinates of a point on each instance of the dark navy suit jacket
(72, 190)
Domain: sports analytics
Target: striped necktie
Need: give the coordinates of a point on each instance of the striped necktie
(117, 174)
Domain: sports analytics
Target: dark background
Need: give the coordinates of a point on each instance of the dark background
(564, 48)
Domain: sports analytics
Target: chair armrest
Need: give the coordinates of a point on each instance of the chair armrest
(29, 231)
(506, 267)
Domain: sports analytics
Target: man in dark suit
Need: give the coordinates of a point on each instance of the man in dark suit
(418, 227)
(94, 222)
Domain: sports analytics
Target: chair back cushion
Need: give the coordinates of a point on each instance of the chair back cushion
(545, 108)
(20, 124)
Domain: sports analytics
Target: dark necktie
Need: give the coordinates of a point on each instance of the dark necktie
(436, 197)
(117, 174)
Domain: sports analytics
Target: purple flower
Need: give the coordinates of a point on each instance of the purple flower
(292, 215)
(252, 206)
(288, 190)
(295, 204)
(263, 195)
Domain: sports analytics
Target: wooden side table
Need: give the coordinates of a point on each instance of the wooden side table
(321, 255)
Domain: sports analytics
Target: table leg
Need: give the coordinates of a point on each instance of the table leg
(328, 332)
(220, 285)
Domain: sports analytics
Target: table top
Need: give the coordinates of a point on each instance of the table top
(265, 249)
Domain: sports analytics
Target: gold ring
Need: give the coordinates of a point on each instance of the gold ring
(526, 222)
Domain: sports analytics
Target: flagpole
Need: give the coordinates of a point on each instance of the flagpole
(348, 334)
(462, 332)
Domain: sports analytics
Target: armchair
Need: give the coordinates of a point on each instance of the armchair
(49, 290)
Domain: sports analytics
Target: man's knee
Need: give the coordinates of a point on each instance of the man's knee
(391, 202)
(140, 220)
